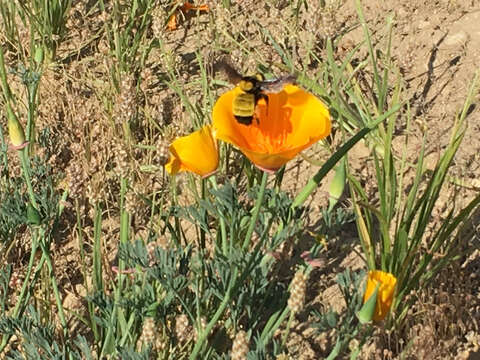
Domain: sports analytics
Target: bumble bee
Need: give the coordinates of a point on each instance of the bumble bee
(253, 89)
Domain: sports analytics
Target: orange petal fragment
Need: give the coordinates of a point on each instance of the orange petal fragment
(172, 22)
(196, 153)
(186, 7)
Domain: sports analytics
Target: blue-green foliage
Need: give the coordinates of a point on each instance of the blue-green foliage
(346, 324)
(186, 279)
(38, 339)
(13, 197)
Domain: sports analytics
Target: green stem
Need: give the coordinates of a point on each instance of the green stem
(91, 309)
(256, 211)
(18, 306)
(287, 329)
(202, 230)
(97, 249)
(119, 325)
(124, 225)
(223, 228)
(335, 351)
(26, 176)
(56, 293)
(33, 253)
(269, 331)
(32, 96)
(203, 335)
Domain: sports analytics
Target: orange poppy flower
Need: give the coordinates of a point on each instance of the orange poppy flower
(196, 152)
(293, 120)
(385, 292)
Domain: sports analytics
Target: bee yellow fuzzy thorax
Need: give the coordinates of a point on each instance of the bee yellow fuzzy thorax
(245, 85)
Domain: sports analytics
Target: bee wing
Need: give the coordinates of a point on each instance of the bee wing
(223, 65)
(277, 85)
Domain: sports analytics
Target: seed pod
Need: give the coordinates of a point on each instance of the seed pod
(337, 185)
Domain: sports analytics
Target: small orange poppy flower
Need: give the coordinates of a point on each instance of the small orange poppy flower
(385, 292)
(196, 152)
(292, 121)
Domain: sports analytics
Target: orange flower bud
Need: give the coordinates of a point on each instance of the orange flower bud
(385, 292)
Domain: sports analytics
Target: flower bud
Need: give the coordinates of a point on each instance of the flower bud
(38, 56)
(378, 296)
(15, 131)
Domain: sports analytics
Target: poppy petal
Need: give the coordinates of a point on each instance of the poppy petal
(196, 153)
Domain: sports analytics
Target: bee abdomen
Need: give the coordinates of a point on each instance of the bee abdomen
(244, 105)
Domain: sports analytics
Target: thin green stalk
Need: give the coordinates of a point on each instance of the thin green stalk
(256, 211)
(119, 325)
(273, 324)
(203, 335)
(223, 229)
(235, 282)
(97, 252)
(124, 217)
(202, 230)
(335, 351)
(26, 176)
(287, 329)
(90, 305)
(33, 253)
(32, 99)
(61, 313)
(18, 310)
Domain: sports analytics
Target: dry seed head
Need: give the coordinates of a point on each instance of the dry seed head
(94, 194)
(160, 342)
(148, 333)
(126, 105)
(182, 328)
(122, 161)
(162, 153)
(131, 203)
(151, 246)
(297, 292)
(158, 22)
(76, 180)
(147, 79)
(240, 346)
(16, 281)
